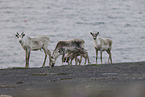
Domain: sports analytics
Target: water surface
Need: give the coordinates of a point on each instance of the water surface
(123, 21)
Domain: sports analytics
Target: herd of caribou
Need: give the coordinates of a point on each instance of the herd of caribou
(70, 49)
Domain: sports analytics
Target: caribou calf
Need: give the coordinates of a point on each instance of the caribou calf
(74, 53)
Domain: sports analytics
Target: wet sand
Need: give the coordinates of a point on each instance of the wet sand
(105, 80)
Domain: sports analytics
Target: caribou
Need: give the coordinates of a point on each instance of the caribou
(33, 44)
(74, 53)
(63, 47)
(102, 44)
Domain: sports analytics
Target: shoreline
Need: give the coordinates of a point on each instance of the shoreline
(73, 65)
(27, 82)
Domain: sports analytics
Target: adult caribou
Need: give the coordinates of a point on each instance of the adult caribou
(63, 47)
(33, 44)
(102, 44)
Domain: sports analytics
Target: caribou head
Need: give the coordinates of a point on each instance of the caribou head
(20, 36)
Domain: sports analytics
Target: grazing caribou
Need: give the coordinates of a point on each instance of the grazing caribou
(74, 53)
(102, 44)
(33, 44)
(63, 47)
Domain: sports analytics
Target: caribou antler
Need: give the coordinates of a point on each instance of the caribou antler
(17, 33)
(22, 33)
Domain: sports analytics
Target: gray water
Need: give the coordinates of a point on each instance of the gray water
(123, 21)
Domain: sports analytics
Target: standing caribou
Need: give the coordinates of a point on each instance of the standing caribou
(102, 44)
(63, 47)
(33, 44)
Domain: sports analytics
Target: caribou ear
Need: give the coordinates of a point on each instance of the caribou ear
(23, 34)
(91, 33)
(17, 35)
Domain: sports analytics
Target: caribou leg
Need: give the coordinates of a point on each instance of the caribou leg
(27, 58)
(44, 58)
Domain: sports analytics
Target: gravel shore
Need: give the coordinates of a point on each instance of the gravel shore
(105, 80)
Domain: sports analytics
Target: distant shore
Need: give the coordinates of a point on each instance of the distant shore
(70, 80)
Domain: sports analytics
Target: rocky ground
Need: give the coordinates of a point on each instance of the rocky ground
(105, 80)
